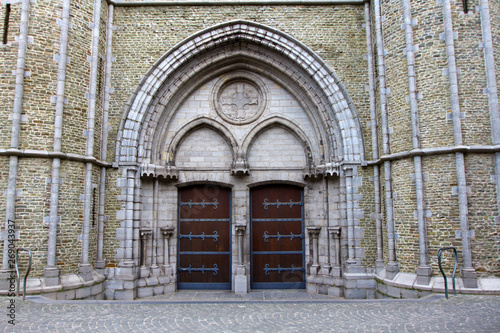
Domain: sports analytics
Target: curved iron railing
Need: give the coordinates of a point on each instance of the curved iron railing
(454, 269)
(27, 272)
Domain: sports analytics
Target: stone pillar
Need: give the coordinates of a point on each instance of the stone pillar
(351, 245)
(154, 249)
(313, 234)
(167, 233)
(240, 280)
(335, 234)
(145, 234)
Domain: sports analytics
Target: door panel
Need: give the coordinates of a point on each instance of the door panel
(277, 231)
(204, 238)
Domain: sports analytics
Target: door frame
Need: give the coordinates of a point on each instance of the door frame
(279, 285)
(204, 285)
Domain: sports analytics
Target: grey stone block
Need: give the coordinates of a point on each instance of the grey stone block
(128, 284)
(124, 295)
(368, 284)
(96, 289)
(82, 293)
(409, 293)
(322, 289)
(335, 291)
(170, 288)
(109, 294)
(145, 292)
(311, 288)
(370, 294)
(66, 295)
(382, 288)
(114, 284)
(355, 293)
(158, 290)
(394, 292)
(152, 281)
(141, 283)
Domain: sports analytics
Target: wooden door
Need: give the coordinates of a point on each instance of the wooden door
(277, 231)
(204, 238)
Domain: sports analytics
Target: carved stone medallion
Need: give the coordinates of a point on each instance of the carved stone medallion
(239, 100)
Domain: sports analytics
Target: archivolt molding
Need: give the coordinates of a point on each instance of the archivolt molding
(192, 126)
(283, 123)
(147, 105)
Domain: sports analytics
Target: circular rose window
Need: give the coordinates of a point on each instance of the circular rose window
(238, 99)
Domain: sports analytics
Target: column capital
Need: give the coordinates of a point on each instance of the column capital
(240, 229)
(167, 232)
(334, 231)
(145, 232)
(313, 231)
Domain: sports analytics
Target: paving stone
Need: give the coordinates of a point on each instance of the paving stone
(462, 313)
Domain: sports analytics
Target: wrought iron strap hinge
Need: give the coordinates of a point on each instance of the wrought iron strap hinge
(215, 270)
(279, 236)
(267, 270)
(215, 203)
(278, 203)
(215, 236)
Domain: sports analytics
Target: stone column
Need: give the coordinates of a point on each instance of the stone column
(167, 233)
(313, 234)
(154, 250)
(335, 234)
(351, 246)
(145, 234)
(240, 280)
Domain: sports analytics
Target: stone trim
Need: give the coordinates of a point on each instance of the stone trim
(70, 287)
(122, 3)
(55, 154)
(404, 285)
(435, 151)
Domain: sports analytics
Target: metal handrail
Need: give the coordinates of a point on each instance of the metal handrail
(27, 272)
(454, 269)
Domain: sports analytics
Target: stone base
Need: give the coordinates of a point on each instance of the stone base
(144, 272)
(155, 270)
(424, 274)
(240, 284)
(391, 270)
(85, 271)
(51, 275)
(469, 277)
(336, 272)
(168, 270)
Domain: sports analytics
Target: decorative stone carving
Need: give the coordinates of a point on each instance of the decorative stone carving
(239, 98)
(168, 172)
(319, 171)
(240, 166)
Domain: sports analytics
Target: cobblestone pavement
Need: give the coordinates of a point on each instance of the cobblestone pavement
(188, 312)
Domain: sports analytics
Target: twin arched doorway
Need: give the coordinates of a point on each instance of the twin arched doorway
(277, 237)
(239, 106)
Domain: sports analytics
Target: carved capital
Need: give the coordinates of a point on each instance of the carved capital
(168, 172)
(313, 231)
(167, 232)
(240, 229)
(145, 232)
(240, 166)
(334, 231)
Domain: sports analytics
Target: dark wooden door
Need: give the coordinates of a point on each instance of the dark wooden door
(204, 238)
(277, 223)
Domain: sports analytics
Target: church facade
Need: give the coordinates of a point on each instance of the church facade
(334, 146)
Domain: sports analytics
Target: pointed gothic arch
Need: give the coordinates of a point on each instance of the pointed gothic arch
(151, 104)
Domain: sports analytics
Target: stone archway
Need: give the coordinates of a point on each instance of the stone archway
(314, 134)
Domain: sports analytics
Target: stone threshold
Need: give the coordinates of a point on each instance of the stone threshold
(486, 286)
